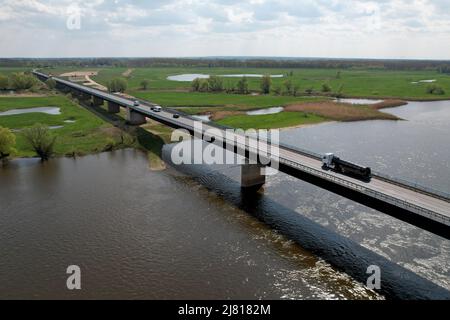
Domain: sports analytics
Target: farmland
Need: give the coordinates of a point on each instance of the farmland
(310, 104)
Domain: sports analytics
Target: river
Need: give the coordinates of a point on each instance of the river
(189, 232)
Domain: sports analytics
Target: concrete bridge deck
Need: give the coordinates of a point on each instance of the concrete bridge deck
(419, 207)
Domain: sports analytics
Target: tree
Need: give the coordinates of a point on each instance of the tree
(338, 75)
(326, 87)
(117, 85)
(444, 69)
(309, 90)
(266, 82)
(215, 84)
(242, 86)
(144, 84)
(196, 85)
(295, 90)
(277, 91)
(40, 140)
(51, 83)
(339, 93)
(20, 81)
(7, 143)
(288, 86)
(204, 87)
(4, 82)
(435, 89)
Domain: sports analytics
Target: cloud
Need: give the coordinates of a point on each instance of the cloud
(345, 28)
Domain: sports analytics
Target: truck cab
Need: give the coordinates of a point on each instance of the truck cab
(327, 160)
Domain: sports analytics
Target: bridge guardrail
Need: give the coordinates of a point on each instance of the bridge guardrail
(413, 186)
(378, 195)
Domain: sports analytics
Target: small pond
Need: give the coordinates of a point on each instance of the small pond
(193, 76)
(358, 101)
(47, 110)
(188, 77)
(202, 117)
(265, 111)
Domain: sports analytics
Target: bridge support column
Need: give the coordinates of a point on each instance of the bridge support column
(135, 118)
(97, 101)
(75, 93)
(85, 96)
(113, 107)
(60, 86)
(251, 177)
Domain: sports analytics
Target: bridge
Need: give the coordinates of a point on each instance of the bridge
(424, 208)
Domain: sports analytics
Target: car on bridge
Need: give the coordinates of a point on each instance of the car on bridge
(136, 103)
(157, 108)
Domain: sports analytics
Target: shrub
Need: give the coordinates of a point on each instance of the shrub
(326, 87)
(340, 92)
(40, 140)
(117, 85)
(266, 82)
(435, 89)
(21, 81)
(144, 84)
(7, 143)
(287, 87)
(50, 83)
(3, 82)
(242, 86)
(196, 84)
(277, 91)
(204, 87)
(215, 84)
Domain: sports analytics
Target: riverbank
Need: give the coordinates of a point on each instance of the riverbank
(78, 131)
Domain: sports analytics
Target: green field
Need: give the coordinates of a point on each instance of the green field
(370, 83)
(232, 101)
(356, 83)
(271, 121)
(88, 134)
(373, 83)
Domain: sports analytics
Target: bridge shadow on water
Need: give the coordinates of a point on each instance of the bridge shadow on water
(341, 252)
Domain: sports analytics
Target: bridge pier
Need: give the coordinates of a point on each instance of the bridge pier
(60, 87)
(85, 96)
(113, 107)
(251, 177)
(135, 118)
(97, 101)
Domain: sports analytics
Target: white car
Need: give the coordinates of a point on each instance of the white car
(157, 108)
(136, 103)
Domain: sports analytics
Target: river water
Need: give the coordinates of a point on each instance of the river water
(190, 232)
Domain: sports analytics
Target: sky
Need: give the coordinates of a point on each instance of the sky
(399, 29)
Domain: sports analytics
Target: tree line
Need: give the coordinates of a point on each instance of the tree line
(17, 81)
(235, 62)
(288, 87)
